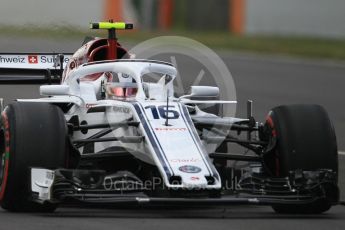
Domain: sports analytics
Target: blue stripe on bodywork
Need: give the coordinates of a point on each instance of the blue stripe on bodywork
(155, 136)
(153, 140)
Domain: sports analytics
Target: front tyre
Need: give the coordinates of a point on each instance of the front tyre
(31, 135)
(305, 140)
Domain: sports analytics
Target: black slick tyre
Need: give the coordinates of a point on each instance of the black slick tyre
(31, 135)
(305, 140)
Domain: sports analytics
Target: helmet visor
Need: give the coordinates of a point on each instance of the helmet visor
(122, 91)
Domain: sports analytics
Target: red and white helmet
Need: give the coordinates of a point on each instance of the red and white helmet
(122, 87)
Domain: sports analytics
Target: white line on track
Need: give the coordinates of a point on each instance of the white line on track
(341, 153)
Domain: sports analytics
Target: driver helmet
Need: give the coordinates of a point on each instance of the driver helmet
(122, 87)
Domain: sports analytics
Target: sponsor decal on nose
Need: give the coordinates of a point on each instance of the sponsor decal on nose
(190, 160)
(33, 59)
(189, 169)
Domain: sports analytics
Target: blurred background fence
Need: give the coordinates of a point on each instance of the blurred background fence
(317, 18)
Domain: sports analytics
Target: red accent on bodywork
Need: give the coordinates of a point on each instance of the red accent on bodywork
(98, 49)
(112, 49)
(91, 77)
(94, 54)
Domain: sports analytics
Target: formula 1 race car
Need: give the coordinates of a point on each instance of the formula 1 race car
(112, 131)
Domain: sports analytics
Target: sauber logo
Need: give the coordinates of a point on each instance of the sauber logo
(195, 178)
(33, 59)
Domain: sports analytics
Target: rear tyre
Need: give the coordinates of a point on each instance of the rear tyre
(305, 139)
(31, 135)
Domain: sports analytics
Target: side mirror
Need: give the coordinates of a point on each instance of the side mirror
(204, 91)
(54, 90)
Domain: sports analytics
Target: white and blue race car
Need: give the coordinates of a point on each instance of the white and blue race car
(112, 131)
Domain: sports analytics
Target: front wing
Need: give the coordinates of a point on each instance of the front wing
(93, 187)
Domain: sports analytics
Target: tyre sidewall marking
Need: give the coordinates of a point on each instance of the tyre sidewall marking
(269, 121)
(5, 167)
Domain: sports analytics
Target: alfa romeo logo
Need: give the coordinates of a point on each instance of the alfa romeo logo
(189, 169)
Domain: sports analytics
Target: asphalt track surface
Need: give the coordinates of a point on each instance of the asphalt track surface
(268, 81)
